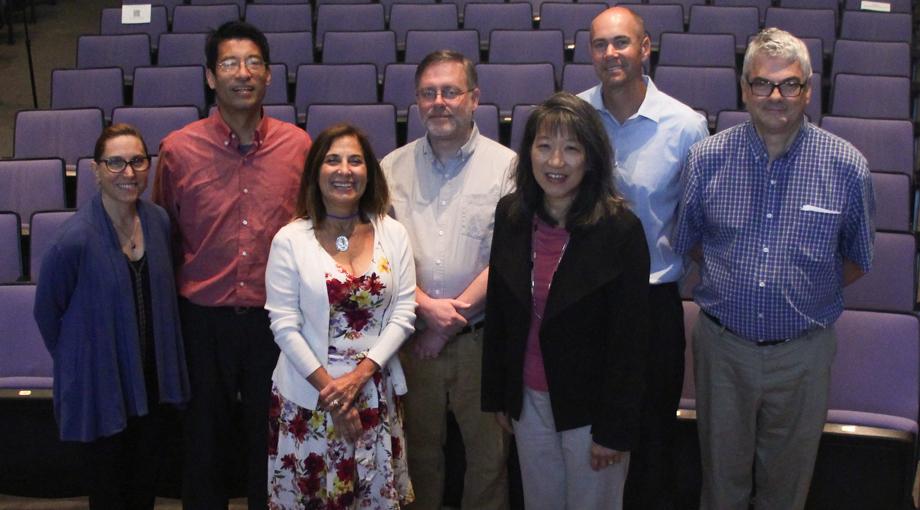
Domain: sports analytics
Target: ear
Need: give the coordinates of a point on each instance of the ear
(268, 74)
(96, 169)
(645, 47)
(474, 96)
(212, 80)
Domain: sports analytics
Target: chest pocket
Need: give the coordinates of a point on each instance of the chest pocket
(817, 233)
(478, 215)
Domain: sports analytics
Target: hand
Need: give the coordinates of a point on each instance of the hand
(504, 422)
(442, 315)
(602, 457)
(339, 393)
(347, 423)
(428, 344)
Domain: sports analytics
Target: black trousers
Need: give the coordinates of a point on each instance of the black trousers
(651, 484)
(231, 354)
(121, 469)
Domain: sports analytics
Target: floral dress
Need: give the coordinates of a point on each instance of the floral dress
(310, 465)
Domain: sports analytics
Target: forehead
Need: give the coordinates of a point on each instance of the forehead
(775, 69)
(238, 48)
(345, 143)
(616, 23)
(554, 127)
(444, 73)
(123, 144)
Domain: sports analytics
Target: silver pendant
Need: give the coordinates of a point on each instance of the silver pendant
(341, 243)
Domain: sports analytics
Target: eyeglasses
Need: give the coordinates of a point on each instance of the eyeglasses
(232, 65)
(764, 88)
(117, 164)
(447, 93)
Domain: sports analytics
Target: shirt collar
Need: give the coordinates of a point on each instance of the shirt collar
(466, 150)
(759, 148)
(651, 107)
(228, 138)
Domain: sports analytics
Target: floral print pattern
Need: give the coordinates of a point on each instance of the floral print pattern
(309, 465)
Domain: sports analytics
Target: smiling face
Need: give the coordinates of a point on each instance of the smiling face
(775, 115)
(343, 176)
(558, 161)
(619, 46)
(241, 89)
(447, 119)
(128, 185)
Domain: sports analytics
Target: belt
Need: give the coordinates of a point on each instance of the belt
(763, 343)
(471, 328)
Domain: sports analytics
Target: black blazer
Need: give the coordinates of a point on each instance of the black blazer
(594, 331)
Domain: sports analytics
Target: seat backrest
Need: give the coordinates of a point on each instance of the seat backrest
(486, 17)
(169, 86)
(875, 368)
(902, 6)
(890, 96)
(277, 91)
(126, 51)
(347, 17)
(178, 49)
(729, 118)
(577, 78)
(203, 18)
(405, 17)
(891, 284)
(485, 116)
(155, 122)
(536, 4)
(169, 5)
(815, 53)
(814, 109)
(281, 18)
(569, 17)
(711, 89)
(686, 49)
(43, 227)
(419, 43)
(892, 201)
(86, 181)
(581, 53)
(760, 4)
(10, 252)
(240, 4)
(101, 88)
(25, 363)
(871, 57)
(528, 47)
(519, 117)
(506, 85)
(66, 134)
(284, 112)
(660, 18)
(110, 24)
(833, 5)
(378, 48)
(378, 121)
(819, 23)
(685, 4)
(876, 26)
(334, 84)
(399, 87)
(888, 145)
(742, 22)
(290, 49)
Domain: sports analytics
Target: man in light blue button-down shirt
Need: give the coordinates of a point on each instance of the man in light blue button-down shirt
(651, 134)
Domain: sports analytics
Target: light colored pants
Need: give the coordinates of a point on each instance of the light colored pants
(453, 381)
(556, 466)
(762, 408)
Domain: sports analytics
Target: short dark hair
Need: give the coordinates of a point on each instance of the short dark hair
(376, 198)
(597, 196)
(114, 131)
(234, 30)
(448, 56)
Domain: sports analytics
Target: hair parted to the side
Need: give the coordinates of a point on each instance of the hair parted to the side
(774, 42)
(597, 195)
(449, 57)
(114, 131)
(234, 30)
(376, 198)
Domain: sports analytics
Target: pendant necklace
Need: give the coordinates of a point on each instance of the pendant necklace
(131, 238)
(341, 241)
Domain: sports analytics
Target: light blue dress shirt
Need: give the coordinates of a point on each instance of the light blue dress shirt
(650, 149)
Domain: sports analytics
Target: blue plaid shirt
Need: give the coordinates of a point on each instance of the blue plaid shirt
(774, 235)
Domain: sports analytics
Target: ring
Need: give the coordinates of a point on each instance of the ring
(334, 403)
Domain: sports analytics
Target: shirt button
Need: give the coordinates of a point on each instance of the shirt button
(438, 262)
(760, 316)
(242, 284)
(440, 232)
(245, 190)
(245, 253)
(769, 216)
(772, 182)
(226, 142)
(245, 222)
(762, 284)
(766, 249)
(443, 202)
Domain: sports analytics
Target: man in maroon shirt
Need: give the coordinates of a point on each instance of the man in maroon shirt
(228, 183)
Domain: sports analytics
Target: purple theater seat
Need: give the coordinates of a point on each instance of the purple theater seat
(42, 230)
(10, 254)
(888, 145)
(891, 283)
(31, 185)
(25, 365)
(66, 134)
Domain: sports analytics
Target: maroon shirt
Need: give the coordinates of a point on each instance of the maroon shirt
(226, 206)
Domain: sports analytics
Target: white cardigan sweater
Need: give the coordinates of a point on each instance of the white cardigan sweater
(298, 305)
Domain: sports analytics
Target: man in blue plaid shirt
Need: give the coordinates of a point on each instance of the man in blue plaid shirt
(779, 215)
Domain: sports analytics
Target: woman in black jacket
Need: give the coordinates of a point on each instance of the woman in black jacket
(565, 333)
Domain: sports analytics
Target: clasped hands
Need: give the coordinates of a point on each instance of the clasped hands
(443, 319)
(338, 398)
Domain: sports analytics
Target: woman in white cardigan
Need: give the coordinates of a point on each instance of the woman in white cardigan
(341, 295)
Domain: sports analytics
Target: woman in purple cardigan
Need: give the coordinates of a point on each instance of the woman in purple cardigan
(106, 307)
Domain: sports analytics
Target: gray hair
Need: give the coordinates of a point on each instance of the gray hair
(774, 42)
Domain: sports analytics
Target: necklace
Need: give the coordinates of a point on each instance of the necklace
(131, 238)
(341, 241)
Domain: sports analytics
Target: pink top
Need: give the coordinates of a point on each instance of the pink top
(548, 246)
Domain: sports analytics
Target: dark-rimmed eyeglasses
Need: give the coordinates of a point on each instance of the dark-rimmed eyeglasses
(447, 93)
(117, 164)
(764, 88)
(232, 65)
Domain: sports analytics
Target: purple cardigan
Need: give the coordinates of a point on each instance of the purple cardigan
(84, 307)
